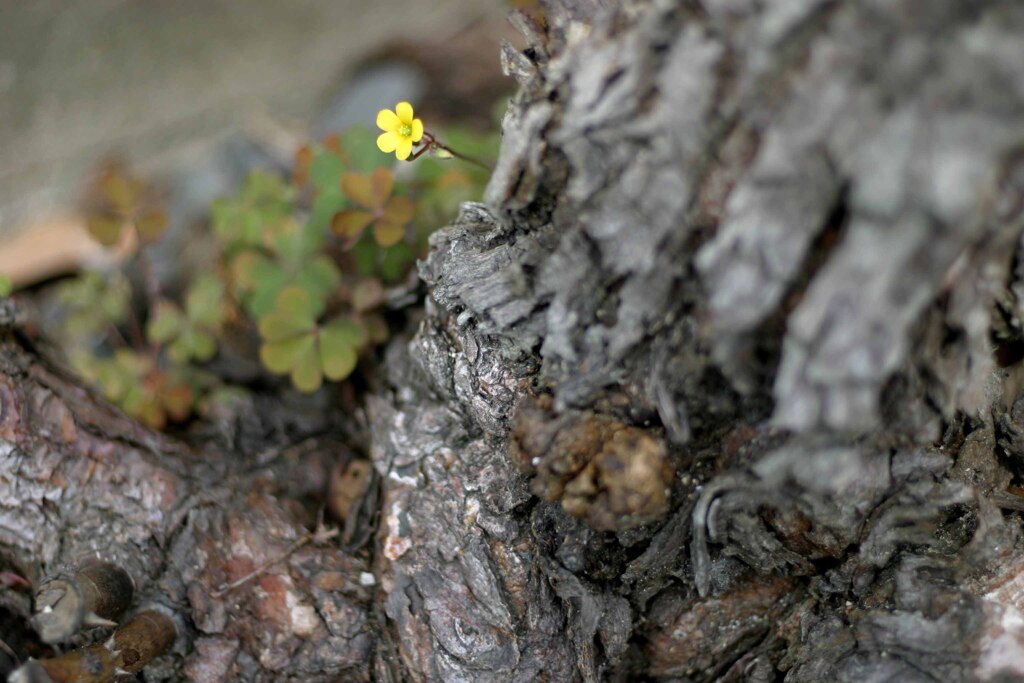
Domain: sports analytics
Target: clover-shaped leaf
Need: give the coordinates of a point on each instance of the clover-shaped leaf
(266, 200)
(192, 333)
(119, 201)
(142, 390)
(93, 302)
(294, 260)
(325, 169)
(388, 215)
(295, 344)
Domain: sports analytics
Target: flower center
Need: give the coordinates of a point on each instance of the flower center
(405, 130)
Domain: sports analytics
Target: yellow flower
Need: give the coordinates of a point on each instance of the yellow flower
(401, 130)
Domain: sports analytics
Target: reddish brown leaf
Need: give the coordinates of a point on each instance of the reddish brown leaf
(151, 225)
(351, 223)
(399, 211)
(359, 189)
(105, 229)
(383, 182)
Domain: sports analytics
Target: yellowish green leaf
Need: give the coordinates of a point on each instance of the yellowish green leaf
(166, 323)
(279, 326)
(306, 373)
(281, 356)
(298, 303)
(204, 302)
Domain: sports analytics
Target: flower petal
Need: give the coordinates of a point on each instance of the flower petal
(417, 130)
(404, 149)
(387, 120)
(359, 189)
(383, 182)
(404, 111)
(351, 223)
(387, 142)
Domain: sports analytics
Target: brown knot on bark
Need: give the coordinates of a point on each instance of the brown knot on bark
(612, 475)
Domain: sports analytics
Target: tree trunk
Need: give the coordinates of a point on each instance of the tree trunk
(722, 382)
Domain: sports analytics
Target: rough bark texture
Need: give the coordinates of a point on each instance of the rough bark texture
(744, 298)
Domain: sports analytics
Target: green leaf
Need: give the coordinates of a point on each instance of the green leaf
(343, 333)
(281, 356)
(326, 169)
(326, 204)
(204, 302)
(294, 243)
(365, 252)
(319, 279)
(203, 345)
(243, 270)
(297, 302)
(271, 279)
(338, 363)
(92, 302)
(278, 326)
(6, 286)
(264, 201)
(359, 145)
(395, 262)
(339, 343)
(180, 350)
(306, 373)
(165, 324)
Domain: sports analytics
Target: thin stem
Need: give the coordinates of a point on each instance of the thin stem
(149, 278)
(135, 329)
(432, 142)
(152, 284)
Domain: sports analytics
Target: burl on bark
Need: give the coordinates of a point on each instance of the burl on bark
(613, 475)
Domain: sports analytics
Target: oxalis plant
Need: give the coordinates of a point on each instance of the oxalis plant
(303, 266)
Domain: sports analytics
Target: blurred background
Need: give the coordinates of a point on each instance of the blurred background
(192, 94)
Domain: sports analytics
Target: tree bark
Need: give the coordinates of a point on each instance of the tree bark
(721, 382)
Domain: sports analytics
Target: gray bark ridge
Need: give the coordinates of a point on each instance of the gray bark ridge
(781, 237)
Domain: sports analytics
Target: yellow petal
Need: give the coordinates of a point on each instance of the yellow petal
(386, 120)
(417, 130)
(404, 111)
(387, 142)
(404, 149)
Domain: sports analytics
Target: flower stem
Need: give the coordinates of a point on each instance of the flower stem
(430, 142)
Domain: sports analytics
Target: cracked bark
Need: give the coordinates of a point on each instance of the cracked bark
(782, 241)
